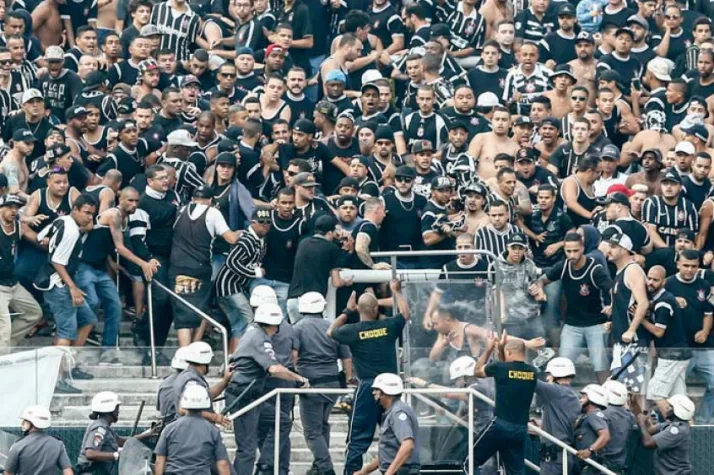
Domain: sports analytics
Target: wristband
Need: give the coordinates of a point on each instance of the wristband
(116, 455)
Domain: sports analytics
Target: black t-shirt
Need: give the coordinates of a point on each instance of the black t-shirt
(667, 314)
(586, 291)
(371, 230)
(314, 260)
(401, 228)
(316, 156)
(372, 345)
(698, 295)
(331, 175)
(515, 385)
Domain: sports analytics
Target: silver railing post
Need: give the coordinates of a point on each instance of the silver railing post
(150, 303)
(471, 434)
(118, 275)
(276, 437)
(565, 462)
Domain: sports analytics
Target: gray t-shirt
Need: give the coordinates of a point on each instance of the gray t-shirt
(190, 374)
(672, 455)
(586, 430)
(254, 356)
(191, 445)
(38, 453)
(317, 352)
(99, 436)
(165, 398)
(398, 424)
(620, 421)
(561, 408)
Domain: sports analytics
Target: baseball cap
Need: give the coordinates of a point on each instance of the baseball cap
(336, 75)
(305, 126)
(618, 198)
(346, 114)
(350, 182)
(274, 49)
(362, 159)
(371, 75)
(31, 94)
(685, 147)
(622, 240)
(226, 145)
(226, 158)
(405, 171)
(525, 155)
(54, 53)
(555, 122)
(94, 80)
(654, 151)
(123, 87)
(422, 146)
(262, 215)
(122, 125)
(625, 30)
(441, 183)
(566, 9)
(369, 85)
(328, 109)
(517, 239)
(487, 99)
(610, 151)
(181, 137)
(325, 223)
(127, 106)
(10, 200)
(687, 234)
(440, 29)
(58, 150)
(75, 111)
(638, 20)
(584, 36)
(384, 132)
(189, 79)
(23, 135)
(203, 192)
(305, 179)
(620, 188)
(148, 65)
(475, 187)
(149, 30)
(698, 130)
(244, 50)
(523, 120)
(610, 75)
(661, 68)
(347, 201)
(457, 124)
(672, 175)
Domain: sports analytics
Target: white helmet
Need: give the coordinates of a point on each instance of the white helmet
(389, 383)
(268, 313)
(105, 402)
(462, 366)
(311, 302)
(560, 367)
(198, 352)
(682, 406)
(179, 359)
(262, 294)
(38, 416)
(616, 392)
(596, 394)
(195, 396)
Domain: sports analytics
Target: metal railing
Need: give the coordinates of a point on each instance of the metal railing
(419, 393)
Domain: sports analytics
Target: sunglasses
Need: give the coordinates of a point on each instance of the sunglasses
(5, 62)
(403, 179)
(579, 98)
(228, 75)
(291, 173)
(672, 17)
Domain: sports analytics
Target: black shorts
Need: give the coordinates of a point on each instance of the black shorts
(193, 290)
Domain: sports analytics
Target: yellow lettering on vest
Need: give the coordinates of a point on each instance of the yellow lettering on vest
(369, 334)
(525, 375)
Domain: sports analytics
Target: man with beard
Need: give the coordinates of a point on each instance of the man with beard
(343, 147)
(168, 117)
(487, 145)
(621, 59)
(301, 106)
(248, 30)
(60, 86)
(303, 146)
(425, 124)
(437, 236)
(696, 185)
(488, 76)
(128, 71)
(558, 47)
(640, 48)
(701, 80)
(665, 215)
(349, 48)
(226, 75)
(454, 157)
(246, 79)
(387, 25)
(383, 155)
(577, 191)
(129, 155)
(401, 228)
(567, 157)
(463, 111)
(426, 170)
(550, 139)
(584, 65)
(652, 173)
(533, 176)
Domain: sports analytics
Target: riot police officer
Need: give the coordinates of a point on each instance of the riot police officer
(399, 432)
(101, 446)
(592, 433)
(191, 445)
(317, 356)
(165, 398)
(671, 440)
(620, 421)
(37, 452)
(253, 361)
(561, 408)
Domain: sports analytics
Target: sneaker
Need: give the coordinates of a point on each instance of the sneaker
(162, 360)
(63, 387)
(79, 374)
(109, 358)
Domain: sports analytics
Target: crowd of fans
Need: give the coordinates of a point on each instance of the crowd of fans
(215, 147)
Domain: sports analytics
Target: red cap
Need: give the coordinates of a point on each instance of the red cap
(620, 188)
(274, 49)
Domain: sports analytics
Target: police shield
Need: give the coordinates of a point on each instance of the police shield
(135, 458)
(6, 441)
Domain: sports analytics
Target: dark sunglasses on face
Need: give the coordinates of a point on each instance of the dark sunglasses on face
(404, 179)
(671, 17)
(292, 173)
(579, 98)
(5, 62)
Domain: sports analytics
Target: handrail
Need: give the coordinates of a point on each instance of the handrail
(432, 253)
(202, 314)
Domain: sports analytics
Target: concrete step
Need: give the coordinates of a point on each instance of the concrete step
(301, 458)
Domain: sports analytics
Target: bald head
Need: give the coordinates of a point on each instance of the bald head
(515, 350)
(656, 277)
(368, 307)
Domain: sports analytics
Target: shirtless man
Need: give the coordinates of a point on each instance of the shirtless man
(505, 188)
(646, 139)
(348, 48)
(106, 17)
(14, 166)
(563, 80)
(474, 200)
(486, 146)
(584, 65)
(494, 11)
(652, 174)
(47, 24)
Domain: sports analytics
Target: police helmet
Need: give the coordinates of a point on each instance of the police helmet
(179, 359)
(560, 367)
(311, 302)
(596, 394)
(198, 352)
(616, 392)
(389, 383)
(105, 402)
(682, 406)
(462, 366)
(195, 396)
(38, 416)
(262, 294)
(269, 314)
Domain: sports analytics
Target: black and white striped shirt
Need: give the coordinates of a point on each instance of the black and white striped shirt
(529, 87)
(187, 176)
(28, 70)
(179, 33)
(490, 239)
(467, 31)
(7, 105)
(670, 219)
(239, 269)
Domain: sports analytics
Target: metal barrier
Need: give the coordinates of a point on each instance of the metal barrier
(417, 392)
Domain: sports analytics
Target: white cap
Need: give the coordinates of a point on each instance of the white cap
(311, 302)
(661, 68)
(54, 53)
(262, 294)
(616, 392)
(560, 367)
(181, 137)
(462, 366)
(389, 383)
(685, 147)
(105, 402)
(682, 406)
(30, 94)
(269, 314)
(38, 416)
(371, 75)
(195, 396)
(596, 394)
(487, 99)
(179, 359)
(198, 352)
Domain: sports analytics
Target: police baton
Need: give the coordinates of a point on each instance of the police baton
(625, 366)
(229, 409)
(138, 417)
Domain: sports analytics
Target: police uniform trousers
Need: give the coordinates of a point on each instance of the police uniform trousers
(315, 412)
(266, 427)
(245, 427)
(366, 414)
(506, 439)
(552, 461)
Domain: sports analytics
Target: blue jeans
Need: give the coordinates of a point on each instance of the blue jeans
(216, 264)
(238, 311)
(702, 363)
(281, 291)
(508, 440)
(101, 290)
(551, 312)
(315, 63)
(68, 317)
(573, 339)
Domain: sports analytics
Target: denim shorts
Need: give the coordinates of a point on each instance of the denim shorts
(68, 317)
